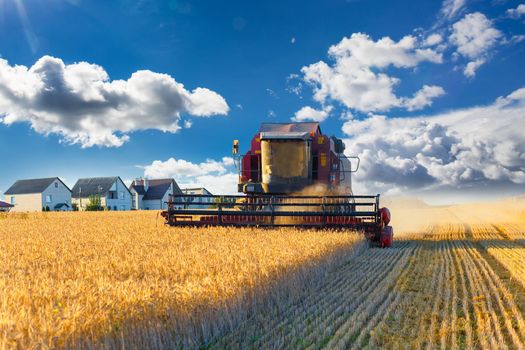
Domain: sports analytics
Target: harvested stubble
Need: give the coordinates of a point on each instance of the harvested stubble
(441, 286)
(117, 280)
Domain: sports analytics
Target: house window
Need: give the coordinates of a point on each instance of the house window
(56, 184)
(13, 200)
(49, 198)
(121, 194)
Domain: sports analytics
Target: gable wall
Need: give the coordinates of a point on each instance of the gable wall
(120, 204)
(59, 194)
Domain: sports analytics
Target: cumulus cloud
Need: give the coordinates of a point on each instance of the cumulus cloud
(517, 12)
(215, 175)
(474, 36)
(357, 78)
(180, 167)
(308, 113)
(83, 106)
(479, 147)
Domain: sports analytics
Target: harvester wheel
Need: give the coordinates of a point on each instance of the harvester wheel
(387, 235)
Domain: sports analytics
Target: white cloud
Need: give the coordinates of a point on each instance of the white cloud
(517, 39)
(292, 41)
(472, 66)
(216, 176)
(271, 113)
(81, 104)
(424, 97)
(357, 78)
(433, 40)
(216, 184)
(474, 36)
(294, 85)
(180, 167)
(479, 147)
(451, 8)
(272, 93)
(308, 113)
(227, 161)
(517, 12)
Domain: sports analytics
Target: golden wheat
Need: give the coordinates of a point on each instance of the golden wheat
(71, 279)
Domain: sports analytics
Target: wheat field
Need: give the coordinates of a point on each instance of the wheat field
(106, 279)
(454, 279)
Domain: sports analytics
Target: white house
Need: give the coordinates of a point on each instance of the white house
(197, 191)
(152, 194)
(113, 193)
(49, 194)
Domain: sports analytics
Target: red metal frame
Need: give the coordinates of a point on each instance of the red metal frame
(328, 164)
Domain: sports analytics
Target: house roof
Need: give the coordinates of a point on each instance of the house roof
(61, 205)
(5, 205)
(157, 188)
(94, 185)
(307, 127)
(32, 186)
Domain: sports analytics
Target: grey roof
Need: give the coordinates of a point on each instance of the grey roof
(60, 205)
(157, 188)
(290, 127)
(280, 135)
(32, 186)
(94, 186)
(138, 188)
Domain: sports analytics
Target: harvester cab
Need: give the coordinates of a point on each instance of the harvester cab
(292, 175)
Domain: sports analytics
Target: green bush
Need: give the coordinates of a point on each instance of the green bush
(94, 203)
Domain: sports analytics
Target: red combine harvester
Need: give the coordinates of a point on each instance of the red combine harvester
(293, 175)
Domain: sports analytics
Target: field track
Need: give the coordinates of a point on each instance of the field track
(451, 286)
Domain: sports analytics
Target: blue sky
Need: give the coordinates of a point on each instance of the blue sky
(256, 62)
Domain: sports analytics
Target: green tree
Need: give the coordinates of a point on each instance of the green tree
(94, 203)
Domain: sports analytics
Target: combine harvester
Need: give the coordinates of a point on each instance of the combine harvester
(293, 175)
